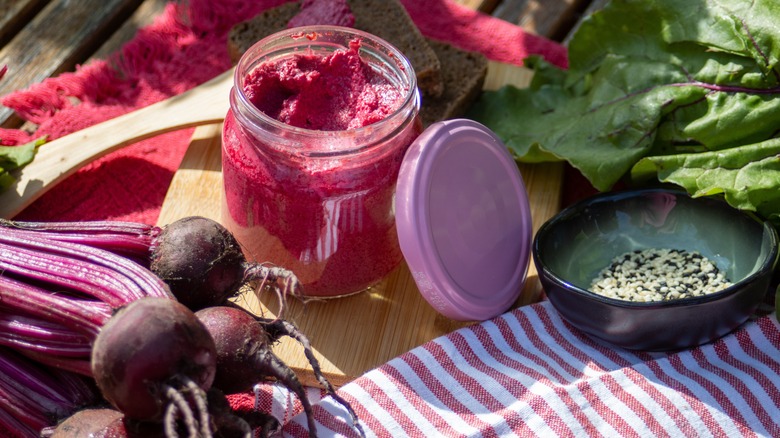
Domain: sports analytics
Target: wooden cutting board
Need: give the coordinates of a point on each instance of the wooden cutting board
(355, 334)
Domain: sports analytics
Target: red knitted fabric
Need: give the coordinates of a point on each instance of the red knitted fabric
(185, 46)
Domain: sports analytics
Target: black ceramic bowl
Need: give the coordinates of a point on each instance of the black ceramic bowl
(574, 246)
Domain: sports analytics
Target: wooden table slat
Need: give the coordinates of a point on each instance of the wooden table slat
(143, 16)
(14, 15)
(486, 6)
(62, 35)
(548, 18)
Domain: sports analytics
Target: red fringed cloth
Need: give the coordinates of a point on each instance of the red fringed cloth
(184, 47)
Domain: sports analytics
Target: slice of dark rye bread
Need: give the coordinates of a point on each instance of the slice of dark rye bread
(245, 34)
(389, 20)
(460, 74)
(386, 19)
(463, 74)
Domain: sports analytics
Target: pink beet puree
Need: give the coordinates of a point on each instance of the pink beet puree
(332, 93)
(328, 219)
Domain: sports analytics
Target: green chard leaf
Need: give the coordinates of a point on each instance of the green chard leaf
(15, 157)
(650, 78)
(748, 177)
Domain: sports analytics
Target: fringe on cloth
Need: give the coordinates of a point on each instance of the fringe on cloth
(185, 46)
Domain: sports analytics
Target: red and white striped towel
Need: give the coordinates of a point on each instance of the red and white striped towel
(528, 373)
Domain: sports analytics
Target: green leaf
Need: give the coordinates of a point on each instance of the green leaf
(602, 133)
(15, 157)
(502, 108)
(6, 180)
(651, 78)
(748, 177)
(777, 302)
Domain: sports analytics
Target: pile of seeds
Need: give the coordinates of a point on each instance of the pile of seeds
(658, 275)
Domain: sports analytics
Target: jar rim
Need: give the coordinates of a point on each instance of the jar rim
(390, 54)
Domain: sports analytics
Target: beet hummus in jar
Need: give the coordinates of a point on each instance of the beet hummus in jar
(320, 118)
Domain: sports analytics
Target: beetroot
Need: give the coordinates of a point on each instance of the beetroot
(200, 258)
(203, 264)
(84, 423)
(103, 423)
(244, 357)
(74, 297)
(111, 423)
(154, 360)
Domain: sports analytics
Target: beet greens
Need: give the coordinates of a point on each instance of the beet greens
(696, 106)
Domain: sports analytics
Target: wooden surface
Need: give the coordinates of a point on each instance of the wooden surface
(43, 38)
(355, 334)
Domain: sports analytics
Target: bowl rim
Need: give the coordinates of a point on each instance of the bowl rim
(767, 266)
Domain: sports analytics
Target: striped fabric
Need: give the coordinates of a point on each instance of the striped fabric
(528, 373)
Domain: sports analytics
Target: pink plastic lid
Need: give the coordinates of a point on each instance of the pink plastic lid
(463, 219)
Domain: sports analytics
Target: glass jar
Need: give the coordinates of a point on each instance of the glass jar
(318, 202)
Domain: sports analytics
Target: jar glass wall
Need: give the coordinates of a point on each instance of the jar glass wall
(318, 202)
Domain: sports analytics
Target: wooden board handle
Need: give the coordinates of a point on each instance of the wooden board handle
(205, 104)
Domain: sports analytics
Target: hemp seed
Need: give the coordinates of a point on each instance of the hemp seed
(659, 274)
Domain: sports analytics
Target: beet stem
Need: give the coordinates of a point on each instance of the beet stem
(35, 394)
(44, 304)
(97, 281)
(9, 421)
(127, 238)
(281, 372)
(73, 365)
(62, 349)
(281, 327)
(41, 335)
(117, 227)
(30, 418)
(146, 280)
